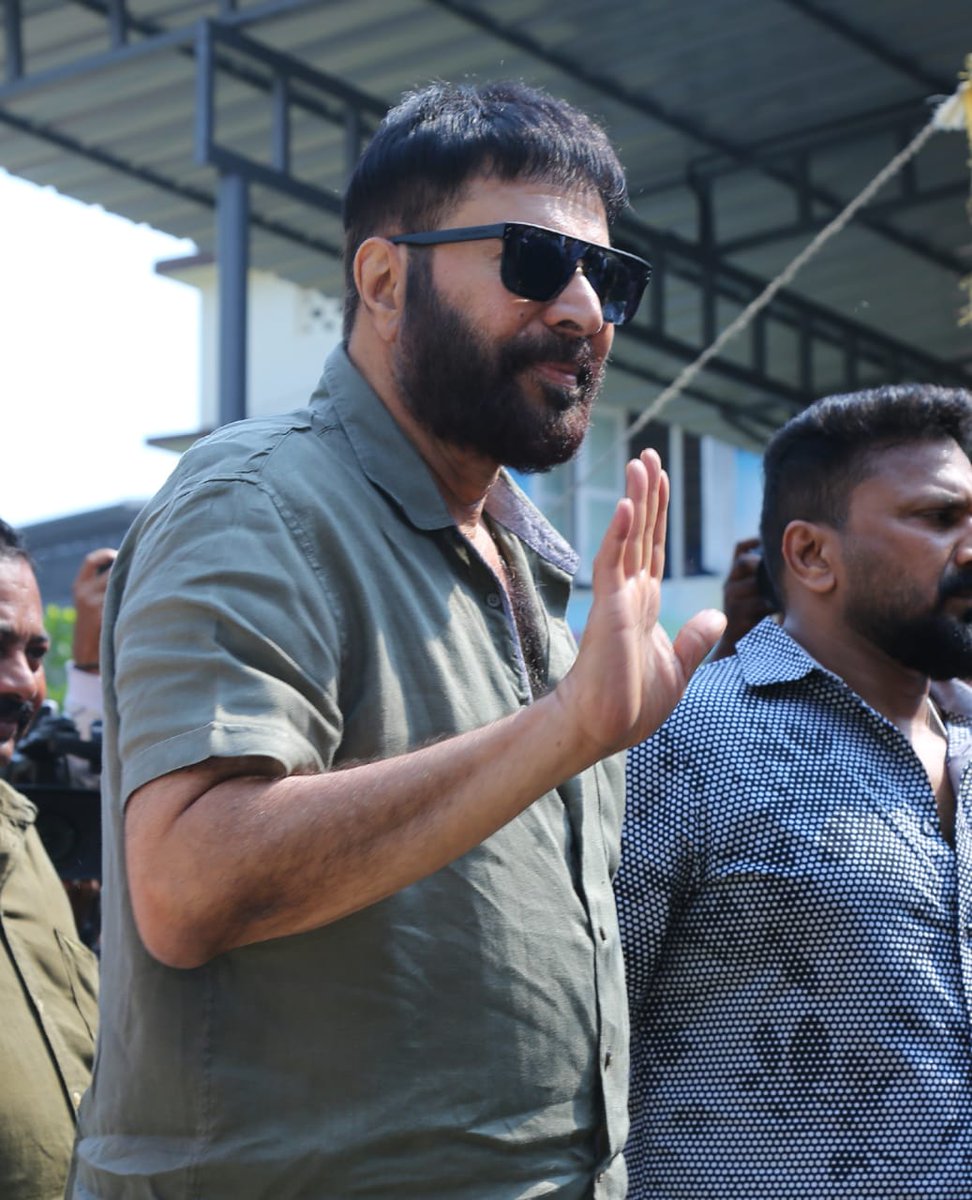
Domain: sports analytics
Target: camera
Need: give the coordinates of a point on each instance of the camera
(57, 769)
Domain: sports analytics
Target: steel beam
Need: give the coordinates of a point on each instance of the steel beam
(863, 350)
(807, 225)
(873, 45)
(13, 36)
(218, 46)
(641, 101)
(202, 197)
(232, 262)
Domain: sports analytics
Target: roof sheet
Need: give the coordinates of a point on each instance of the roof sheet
(739, 99)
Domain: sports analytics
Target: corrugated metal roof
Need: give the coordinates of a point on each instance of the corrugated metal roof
(739, 98)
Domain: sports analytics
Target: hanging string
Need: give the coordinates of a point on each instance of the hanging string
(956, 113)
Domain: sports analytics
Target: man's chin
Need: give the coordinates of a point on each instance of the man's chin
(940, 651)
(543, 455)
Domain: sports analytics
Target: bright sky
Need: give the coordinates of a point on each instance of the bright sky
(98, 352)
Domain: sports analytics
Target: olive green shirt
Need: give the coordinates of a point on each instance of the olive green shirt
(298, 590)
(48, 1011)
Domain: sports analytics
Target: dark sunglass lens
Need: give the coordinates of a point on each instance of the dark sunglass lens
(537, 264)
(615, 281)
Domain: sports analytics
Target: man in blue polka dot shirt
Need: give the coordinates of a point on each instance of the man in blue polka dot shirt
(796, 885)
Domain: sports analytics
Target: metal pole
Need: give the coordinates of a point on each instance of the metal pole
(13, 35)
(232, 262)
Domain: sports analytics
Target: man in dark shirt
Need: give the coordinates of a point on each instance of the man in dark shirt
(795, 892)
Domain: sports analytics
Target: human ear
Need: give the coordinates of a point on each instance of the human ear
(810, 553)
(379, 276)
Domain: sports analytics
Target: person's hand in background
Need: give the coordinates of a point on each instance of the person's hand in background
(89, 588)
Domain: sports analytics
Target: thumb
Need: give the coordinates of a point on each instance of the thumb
(697, 637)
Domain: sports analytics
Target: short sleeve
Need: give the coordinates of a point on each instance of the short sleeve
(225, 641)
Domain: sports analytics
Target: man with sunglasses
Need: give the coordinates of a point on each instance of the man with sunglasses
(364, 804)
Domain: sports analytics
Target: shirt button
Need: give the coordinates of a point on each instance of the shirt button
(76, 1097)
(929, 825)
(607, 1059)
(493, 600)
(603, 932)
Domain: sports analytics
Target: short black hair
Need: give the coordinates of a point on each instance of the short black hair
(12, 544)
(814, 462)
(439, 137)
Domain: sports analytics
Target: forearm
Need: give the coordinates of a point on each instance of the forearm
(250, 858)
(216, 862)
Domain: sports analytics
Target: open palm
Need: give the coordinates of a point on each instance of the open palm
(629, 675)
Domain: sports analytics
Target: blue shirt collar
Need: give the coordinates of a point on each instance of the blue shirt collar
(768, 655)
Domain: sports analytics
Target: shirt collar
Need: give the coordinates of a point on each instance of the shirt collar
(768, 655)
(954, 698)
(393, 464)
(16, 816)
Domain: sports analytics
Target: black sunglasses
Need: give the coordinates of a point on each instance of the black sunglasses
(538, 264)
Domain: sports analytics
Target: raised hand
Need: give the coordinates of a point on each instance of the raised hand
(89, 588)
(743, 599)
(628, 675)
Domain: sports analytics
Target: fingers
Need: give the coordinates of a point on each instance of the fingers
(635, 539)
(660, 526)
(96, 563)
(638, 489)
(610, 557)
(697, 637)
(646, 486)
(91, 580)
(90, 586)
(745, 558)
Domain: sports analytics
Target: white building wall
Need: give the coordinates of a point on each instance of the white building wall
(290, 331)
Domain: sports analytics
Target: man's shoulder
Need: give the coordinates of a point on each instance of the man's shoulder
(712, 705)
(15, 807)
(280, 447)
(714, 683)
(724, 696)
(300, 461)
(259, 447)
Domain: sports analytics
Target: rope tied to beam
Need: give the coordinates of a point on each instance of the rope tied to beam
(956, 114)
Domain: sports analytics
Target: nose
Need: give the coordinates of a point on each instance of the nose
(577, 309)
(18, 677)
(963, 553)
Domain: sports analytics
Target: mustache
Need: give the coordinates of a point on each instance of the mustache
(956, 583)
(15, 711)
(550, 346)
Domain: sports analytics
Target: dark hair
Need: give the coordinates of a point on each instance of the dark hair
(11, 543)
(438, 138)
(814, 462)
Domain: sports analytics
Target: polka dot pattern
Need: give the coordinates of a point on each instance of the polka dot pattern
(798, 938)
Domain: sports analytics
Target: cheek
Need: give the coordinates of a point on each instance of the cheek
(602, 342)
